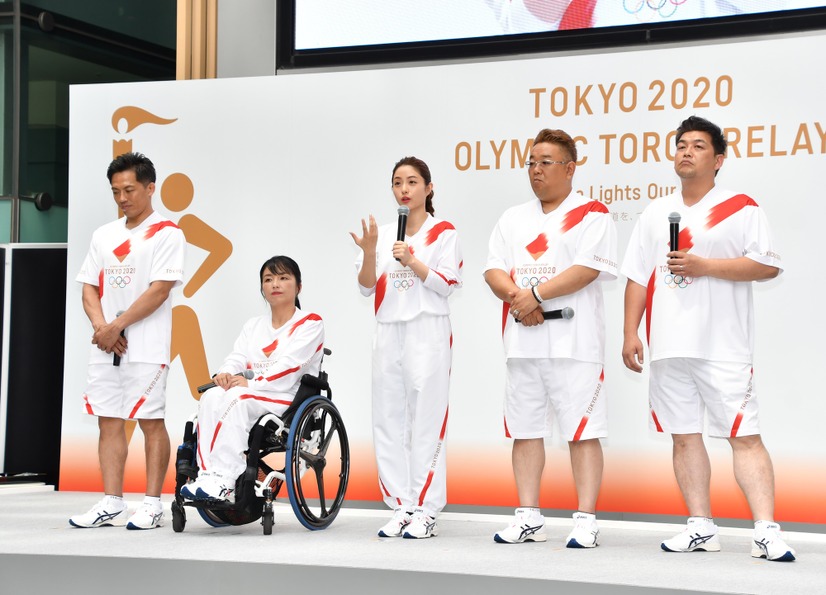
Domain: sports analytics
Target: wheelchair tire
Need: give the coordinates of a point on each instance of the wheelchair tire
(212, 518)
(267, 518)
(178, 517)
(317, 442)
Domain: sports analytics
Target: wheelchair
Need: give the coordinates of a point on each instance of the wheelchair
(316, 464)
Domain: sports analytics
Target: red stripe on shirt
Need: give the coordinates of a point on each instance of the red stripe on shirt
(435, 460)
(575, 216)
(282, 374)
(448, 281)
(579, 15)
(88, 405)
(727, 208)
(436, 231)
(685, 241)
(507, 431)
(649, 302)
(302, 321)
(156, 227)
(100, 283)
(381, 288)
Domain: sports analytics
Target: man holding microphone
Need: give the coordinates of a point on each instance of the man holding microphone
(697, 297)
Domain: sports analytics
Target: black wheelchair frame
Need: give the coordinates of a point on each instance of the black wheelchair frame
(305, 433)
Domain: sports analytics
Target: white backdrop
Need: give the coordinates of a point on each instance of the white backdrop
(290, 164)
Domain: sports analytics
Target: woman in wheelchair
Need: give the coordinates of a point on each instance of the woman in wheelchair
(278, 349)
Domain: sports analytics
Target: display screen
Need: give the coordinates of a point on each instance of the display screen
(325, 24)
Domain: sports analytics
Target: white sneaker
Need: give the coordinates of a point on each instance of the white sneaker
(700, 535)
(189, 491)
(585, 533)
(110, 511)
(215, 487)
(768, 543)
(528, 525)
(421, 526)
(147, 516)
(395, 526)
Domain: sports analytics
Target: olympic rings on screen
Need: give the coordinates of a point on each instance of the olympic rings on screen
(665, 8)
(119, 281)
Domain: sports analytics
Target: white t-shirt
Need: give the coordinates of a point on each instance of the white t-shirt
(278, 357)
(399, 295)
(702, 317)
(122, 263)
(534, 247)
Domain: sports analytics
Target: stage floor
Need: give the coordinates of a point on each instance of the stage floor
(41, 553)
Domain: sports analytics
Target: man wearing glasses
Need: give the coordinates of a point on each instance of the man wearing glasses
(544, 256)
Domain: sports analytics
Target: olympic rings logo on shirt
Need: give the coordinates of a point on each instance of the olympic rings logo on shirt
(533, 281)
(675, 281)
(403, 284)
(119, 281)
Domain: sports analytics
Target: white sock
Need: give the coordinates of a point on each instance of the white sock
(154, 501)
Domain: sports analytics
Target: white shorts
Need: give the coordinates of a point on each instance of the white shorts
(541, 390)
(682, 390)
(128, 391)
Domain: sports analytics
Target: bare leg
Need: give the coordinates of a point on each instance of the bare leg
(156, 441)
(754, 473)
(692, 469)
(528, 462)
(586, 464)
(112, 451)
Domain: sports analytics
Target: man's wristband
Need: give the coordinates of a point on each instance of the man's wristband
(535, 293)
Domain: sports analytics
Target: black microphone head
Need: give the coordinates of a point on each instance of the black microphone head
(248, 374)
(567, 312)
(404, 210)
(674, 217)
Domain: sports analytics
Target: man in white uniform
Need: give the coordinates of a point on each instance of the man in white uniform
(132, 265)
(546, 255)
(700, 329)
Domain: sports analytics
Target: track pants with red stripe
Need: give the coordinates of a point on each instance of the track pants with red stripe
(225, 419)
(411, 377)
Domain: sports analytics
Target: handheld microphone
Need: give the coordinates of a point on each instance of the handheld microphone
(674, 230)
(404, 211)
(116, 357)
(248, 374)
(565, 313)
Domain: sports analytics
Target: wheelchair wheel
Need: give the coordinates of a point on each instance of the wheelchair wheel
(213, 518)
(317, 463)
(178, 517)
(267, 518)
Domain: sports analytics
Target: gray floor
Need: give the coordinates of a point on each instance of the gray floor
(41, 553)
